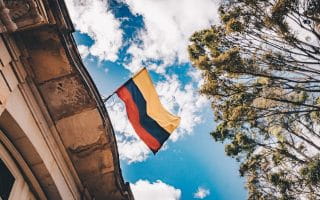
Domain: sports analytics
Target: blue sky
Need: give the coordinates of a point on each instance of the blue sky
(118, 37)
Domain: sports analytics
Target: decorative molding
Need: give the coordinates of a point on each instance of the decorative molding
(21, 14)
(5, 18)
(18, 8)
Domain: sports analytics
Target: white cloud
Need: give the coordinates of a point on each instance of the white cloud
(84, 51)
(133, 150)
(144, 190)
(164, 41)
(94, 18)
(196, 77)
(201, 193)
(130, 146)
(168, 26)
(106, 70)
(183, 100)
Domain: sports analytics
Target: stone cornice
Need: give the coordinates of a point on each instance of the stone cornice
(44, 30)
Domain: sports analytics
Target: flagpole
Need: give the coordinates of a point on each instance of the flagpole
(134, 75)
(106, 99)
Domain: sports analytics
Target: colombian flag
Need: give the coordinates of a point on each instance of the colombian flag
(151, 121)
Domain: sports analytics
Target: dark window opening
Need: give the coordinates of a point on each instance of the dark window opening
(6, 181)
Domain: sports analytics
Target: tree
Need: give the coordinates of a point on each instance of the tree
(261, 71)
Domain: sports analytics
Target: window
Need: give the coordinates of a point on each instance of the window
(6, 181)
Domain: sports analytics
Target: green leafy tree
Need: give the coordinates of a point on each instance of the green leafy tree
(261, 71)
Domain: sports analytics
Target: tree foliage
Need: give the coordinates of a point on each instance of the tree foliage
(261, 71)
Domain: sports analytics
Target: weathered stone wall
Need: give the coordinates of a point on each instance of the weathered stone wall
(50, 108)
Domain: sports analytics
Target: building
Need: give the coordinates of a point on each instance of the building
(56, 139)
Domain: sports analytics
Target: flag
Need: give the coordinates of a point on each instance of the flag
(150, 120)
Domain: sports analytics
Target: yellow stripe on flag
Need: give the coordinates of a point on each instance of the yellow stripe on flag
(155, 110)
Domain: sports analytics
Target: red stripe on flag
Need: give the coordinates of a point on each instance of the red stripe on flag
(133, 115)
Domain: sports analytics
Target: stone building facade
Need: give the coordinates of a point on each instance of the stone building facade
(56, 139)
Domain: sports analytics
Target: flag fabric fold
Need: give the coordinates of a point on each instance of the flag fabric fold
(150, 120)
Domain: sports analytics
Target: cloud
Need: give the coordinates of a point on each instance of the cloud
(183, 100)
(94, 18)
(196, 76)
(132, 150)
(168, 26)
(144, 190)
(163, 41)
(83, 50)
(130, 146)
(106, 70)
(201, 193)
